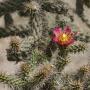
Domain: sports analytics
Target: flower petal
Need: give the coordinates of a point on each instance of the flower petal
(57, 31)
(55, 39)
(67, 29)
(70, 42)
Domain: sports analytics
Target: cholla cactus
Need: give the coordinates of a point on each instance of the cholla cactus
(46, 69)
(29, 6)
(84, 69)
(14, 44)
(87, 3)
(77, 85)
(13, 53)
(39, 69)
(25, 68)
(82, 73)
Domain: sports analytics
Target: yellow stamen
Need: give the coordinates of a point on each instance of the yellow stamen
(64, 38)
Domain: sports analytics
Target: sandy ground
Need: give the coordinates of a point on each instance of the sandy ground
(12, 68)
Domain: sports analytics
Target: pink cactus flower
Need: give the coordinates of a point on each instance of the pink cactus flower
(63, 37)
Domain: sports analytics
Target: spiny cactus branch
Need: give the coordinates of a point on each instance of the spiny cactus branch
(15, 30)
(59, 7)
(9, 6)
(76, 48)
(11, 81)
